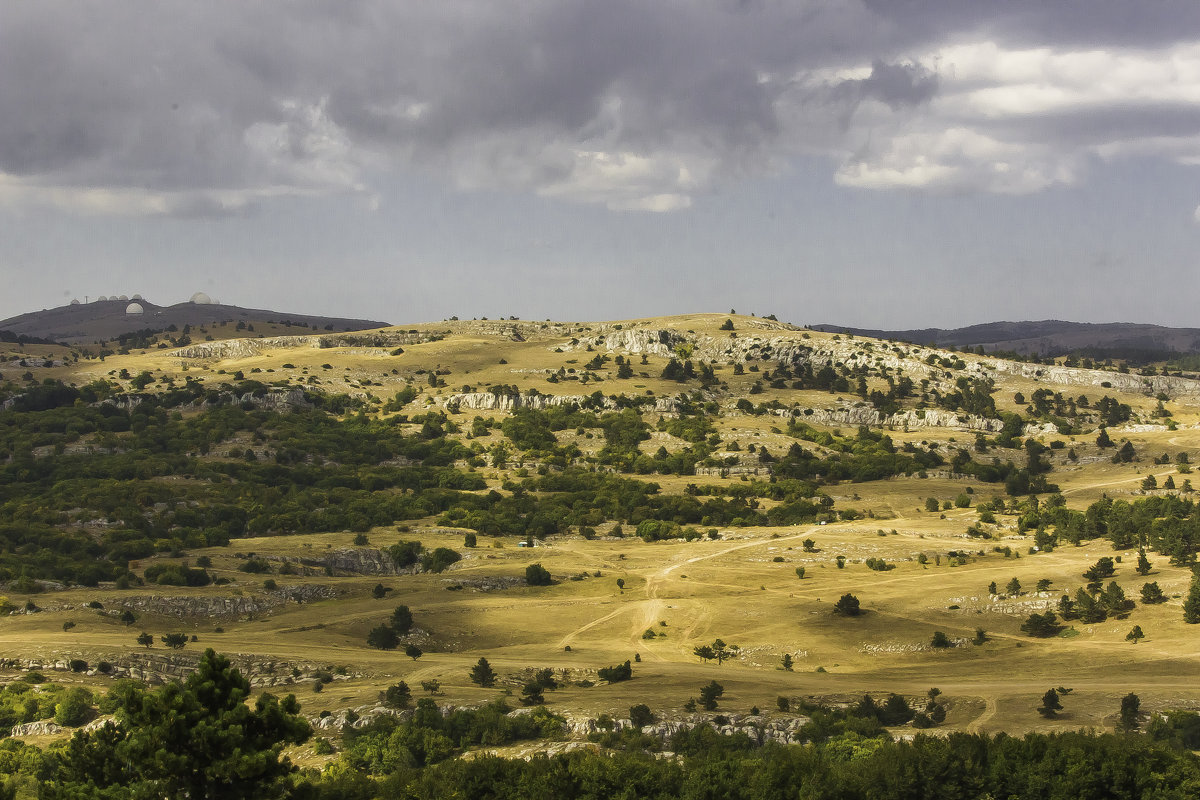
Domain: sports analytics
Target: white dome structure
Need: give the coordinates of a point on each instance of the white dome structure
(201, 299)
(136, 297)
(75, 302)
(134, 309)
(101, 299)
(123, 297)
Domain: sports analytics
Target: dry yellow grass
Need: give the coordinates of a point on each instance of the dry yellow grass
(731, 588)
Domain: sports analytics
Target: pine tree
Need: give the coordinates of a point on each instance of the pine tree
(1143, 563)
(1130, 706)
(482, 674)
(198, 739)
(1191, 606)
(1050, 703)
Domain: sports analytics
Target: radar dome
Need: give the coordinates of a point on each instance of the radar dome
(200, 298)
(123, 297)
(136, 297)
(134, 309)
(101, 299)
(75, 302)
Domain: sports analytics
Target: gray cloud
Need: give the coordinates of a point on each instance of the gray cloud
(183, 108)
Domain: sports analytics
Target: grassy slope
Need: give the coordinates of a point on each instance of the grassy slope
(729, 588)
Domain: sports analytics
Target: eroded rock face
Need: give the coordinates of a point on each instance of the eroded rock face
(358, 560)
(43, 727)
(760, 729)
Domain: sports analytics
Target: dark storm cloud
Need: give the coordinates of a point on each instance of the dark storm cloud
(180, 107)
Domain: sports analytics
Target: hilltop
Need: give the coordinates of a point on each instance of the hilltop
(87, 323)
(1123, 340)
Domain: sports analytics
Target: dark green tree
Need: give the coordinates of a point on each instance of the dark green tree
(482, 673)
(383, 637)
(1143, 563)
(847, 606)
(145, 639)
(1191, 606)
(940, 640)
(786, 662)
(1135, 634)
(1131, 704)
(537, 575)
(531, 694)
(1051, 705)
(402, 620)
(175, 641)
(640, 715)
(198, 739)
(413, 652)
(1152, 594)
(398, 695)
(710, 694)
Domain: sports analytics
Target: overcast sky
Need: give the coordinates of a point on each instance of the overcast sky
(882, 163)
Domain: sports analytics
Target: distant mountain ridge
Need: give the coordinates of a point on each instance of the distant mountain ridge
(1049, 337)
(107, 319)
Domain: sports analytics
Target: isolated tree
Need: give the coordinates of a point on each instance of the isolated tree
(993, 589)
(640, 715)
(145, 640)
(727, 325)
(380, 591)
(398, 695)
(704, 652)
(128, 617)
(1103, 440)
(531, 694)
(402, 620)
(721, 651)
(482, 673)
(1143, 563)
(786, 662)
(1013, 589)
(847, 606)
(809, 546)
(383, 637)
(800, 573)
(1135, 635)
(1050, 704)
(1131, 704)
(940, 641)
(537, 575)
(710, 694)
(621, 584)
(413, 652)
(196, 739)
(932, 504)
(175, 641)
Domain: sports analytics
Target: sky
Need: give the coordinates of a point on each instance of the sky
(877, 163)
